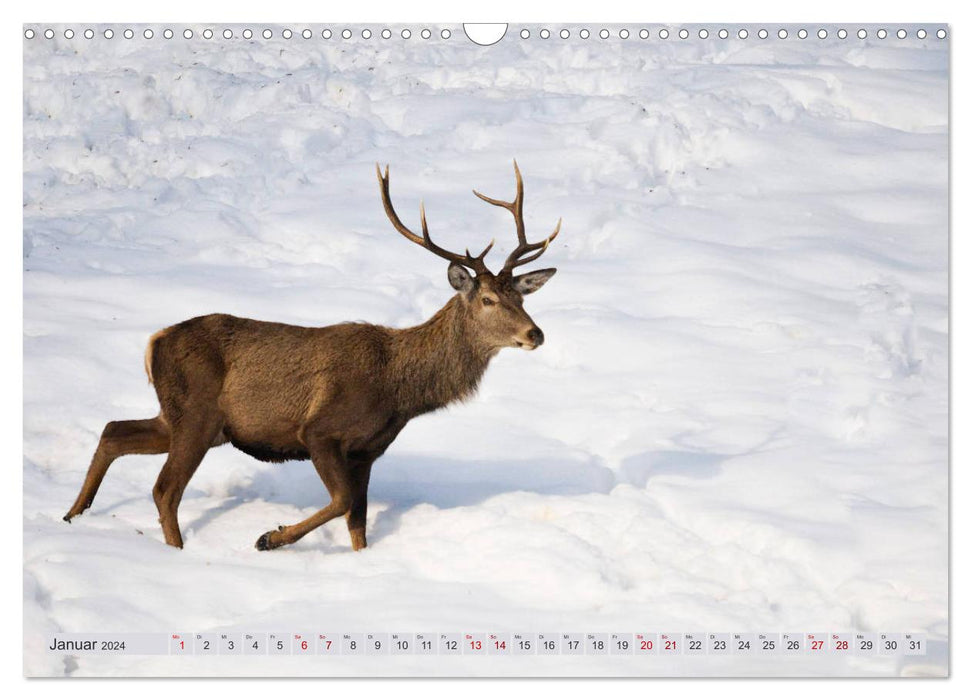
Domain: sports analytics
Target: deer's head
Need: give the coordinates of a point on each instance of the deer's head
(494, 302)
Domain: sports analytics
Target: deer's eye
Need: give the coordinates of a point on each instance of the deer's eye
(487, 301)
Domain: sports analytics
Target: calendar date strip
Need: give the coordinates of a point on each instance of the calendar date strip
(491, 644)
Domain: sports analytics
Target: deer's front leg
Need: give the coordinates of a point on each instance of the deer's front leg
(357, 515)
(334, 472)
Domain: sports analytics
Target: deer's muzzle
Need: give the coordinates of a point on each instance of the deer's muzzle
(533, 339)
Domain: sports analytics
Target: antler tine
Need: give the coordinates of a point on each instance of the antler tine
(516, 258)
(424, 224)
(515, 206)
(481, 256)
(513, 262)
(425, 240)
(389, 209)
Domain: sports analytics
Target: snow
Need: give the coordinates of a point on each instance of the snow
(739, 420)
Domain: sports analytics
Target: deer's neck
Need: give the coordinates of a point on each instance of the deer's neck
(437, 362)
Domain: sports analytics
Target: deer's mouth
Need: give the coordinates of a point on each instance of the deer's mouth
(530, 340)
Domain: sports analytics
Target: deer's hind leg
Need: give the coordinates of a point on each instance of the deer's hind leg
(124, 437)
(190, 441)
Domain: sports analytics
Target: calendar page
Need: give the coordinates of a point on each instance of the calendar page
(485, 350)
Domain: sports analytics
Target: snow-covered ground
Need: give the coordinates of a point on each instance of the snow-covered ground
(738, 421)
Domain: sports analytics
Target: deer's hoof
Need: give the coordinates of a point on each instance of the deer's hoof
(73, 513)
(266, 542)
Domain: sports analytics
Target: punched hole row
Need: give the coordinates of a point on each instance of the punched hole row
(583, 33)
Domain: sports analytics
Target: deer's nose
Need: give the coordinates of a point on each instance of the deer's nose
(535, 336)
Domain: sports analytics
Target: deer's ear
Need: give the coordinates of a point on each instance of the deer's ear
(459, 278)
(531, 281)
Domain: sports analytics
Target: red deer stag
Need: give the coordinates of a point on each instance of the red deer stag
(338, 395)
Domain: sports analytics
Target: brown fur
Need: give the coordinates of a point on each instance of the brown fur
(149, 351)
(337, 395)
(280, 392)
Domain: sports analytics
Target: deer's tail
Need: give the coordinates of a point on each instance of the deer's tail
(150, 351)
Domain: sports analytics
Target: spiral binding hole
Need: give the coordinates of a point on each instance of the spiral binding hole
(564, 33)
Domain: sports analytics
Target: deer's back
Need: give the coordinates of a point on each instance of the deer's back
(270, 380)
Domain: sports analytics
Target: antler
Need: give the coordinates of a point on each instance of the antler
(516, 258)
(475, 263)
